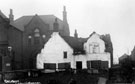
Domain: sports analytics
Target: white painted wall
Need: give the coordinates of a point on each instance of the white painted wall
(95, 38)
(53, 51)
(90, 57)
(56, 45)
(101, 55)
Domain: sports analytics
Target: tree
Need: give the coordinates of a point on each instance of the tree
(108, 45)
(133, 54)
(127, 71)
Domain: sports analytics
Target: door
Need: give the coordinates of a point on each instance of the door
(79, 64)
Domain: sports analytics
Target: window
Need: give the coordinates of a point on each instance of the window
(90, 48)
(96, 48)
(36, 40)
(36, 36)
(65, 54)
(37, 33)
(29, 40)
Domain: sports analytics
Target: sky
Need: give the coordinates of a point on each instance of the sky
(114, 17)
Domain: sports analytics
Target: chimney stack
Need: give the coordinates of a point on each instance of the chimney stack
(64, 14)
(11, 16)
(76, 34)
(56, 26)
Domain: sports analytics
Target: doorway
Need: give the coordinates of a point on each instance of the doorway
(79, 65)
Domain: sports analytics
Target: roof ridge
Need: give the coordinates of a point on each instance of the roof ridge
(1, 13)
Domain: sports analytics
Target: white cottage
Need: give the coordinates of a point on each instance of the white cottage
(95, 52)
(55, 51)
(69, 52)
(95, 55)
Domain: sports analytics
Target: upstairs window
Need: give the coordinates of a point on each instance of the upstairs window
(36, 40)
(65, 55)
(36, 36)
(90, 48)
(96, 48)
(29, 40)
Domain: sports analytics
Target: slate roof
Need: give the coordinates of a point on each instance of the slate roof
(123, 57)
(1, 14)
(75, 44)
(83, 40)
(48, 19)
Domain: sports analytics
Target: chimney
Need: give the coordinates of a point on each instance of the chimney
(76, 34)
(64, 14)
(11, 16)
(56, 26)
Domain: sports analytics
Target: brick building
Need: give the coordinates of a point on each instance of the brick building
(35, 30)
(10, 40)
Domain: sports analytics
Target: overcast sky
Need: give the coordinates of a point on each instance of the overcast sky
(114, 17)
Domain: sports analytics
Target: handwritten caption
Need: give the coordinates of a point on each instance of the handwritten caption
(17, 82)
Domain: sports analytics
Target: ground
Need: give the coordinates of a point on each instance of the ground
(65, 77)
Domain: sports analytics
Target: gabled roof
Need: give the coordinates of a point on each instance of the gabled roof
(82, 39)
(123, 57)
(72, 42)
(48, 19)
(1, 14)
(75, 44)
(93, 34)
(85, 40)
(7, 20)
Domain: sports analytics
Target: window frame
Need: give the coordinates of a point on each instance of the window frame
(65, 55)
(36, 36)
(96, 48)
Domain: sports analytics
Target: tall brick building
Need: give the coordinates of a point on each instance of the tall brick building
(35, 30)
(10, 38)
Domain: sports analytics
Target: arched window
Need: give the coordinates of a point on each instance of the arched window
(37, 33)
(36, 36)
(29, 40)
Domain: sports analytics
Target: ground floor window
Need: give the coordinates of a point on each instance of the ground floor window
(97, 64)
(63, 65)
(60, 65)
(49, 65)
